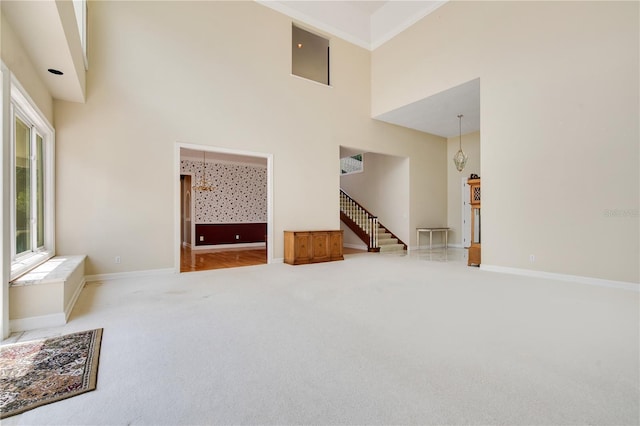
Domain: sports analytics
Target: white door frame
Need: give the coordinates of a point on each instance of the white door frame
(176, 192)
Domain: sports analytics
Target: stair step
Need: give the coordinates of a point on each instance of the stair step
(387, 240)
(391, 247)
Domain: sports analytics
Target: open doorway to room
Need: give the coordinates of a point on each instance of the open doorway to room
(374, 201)
(453, 114)
(224, 208)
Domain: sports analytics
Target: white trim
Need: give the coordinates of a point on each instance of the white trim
(309, 21)
(34, 323)
(23, 107)
(382, 39)
(312, 81)
(5, 199)
(176, 192)
(457, 246)
(125, 275)
(372, 43)
(278, 260)
(24, 101)
(563, 277)
(436, 245)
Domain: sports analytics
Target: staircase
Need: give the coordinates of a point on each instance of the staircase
(366, 226)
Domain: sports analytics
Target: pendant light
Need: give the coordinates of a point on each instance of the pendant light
(203, 184)
(460, 159)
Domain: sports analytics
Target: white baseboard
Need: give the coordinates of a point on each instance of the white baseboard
(33, 323)
(563, 277)
(435, 246)
(456, 245)
(222, 246)
(133, 274)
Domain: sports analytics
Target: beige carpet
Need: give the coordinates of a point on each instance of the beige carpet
(374, 339)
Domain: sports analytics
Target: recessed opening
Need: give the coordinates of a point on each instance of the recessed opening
(309, 55)
(55, 71)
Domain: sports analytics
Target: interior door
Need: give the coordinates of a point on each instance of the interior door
(185, 210)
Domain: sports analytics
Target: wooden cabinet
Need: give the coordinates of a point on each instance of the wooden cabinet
(475, 201)
(312, 246)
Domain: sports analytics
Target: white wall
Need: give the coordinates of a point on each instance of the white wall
(559, 124)
(16, 59)
(19, 66)
(471, 147)
(214, 74)
(383, 189)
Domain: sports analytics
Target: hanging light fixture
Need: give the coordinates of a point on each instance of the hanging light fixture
(203, 184)
(460, 159)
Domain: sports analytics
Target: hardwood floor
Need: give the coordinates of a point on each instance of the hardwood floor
(203, 260)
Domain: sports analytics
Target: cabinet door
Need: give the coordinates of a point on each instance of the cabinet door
(321, 246)
(303, 249)
(336, 245)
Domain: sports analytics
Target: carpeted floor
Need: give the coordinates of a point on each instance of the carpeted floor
(43, 371)
(374, 339)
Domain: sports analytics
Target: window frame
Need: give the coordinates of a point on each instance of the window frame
(22, 107)
(295, 26)
(80, 11)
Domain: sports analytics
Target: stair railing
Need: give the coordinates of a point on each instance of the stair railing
(359, 220)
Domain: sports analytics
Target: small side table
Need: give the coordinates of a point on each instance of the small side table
(431, 231)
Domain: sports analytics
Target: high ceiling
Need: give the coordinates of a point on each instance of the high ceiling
(370, 24)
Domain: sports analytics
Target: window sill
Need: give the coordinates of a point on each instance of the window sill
(27, 264)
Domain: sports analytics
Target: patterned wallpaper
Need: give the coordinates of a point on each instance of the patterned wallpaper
(240, 195)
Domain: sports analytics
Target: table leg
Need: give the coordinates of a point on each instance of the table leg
(430, 239)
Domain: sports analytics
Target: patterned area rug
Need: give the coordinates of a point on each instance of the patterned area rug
(49, 370)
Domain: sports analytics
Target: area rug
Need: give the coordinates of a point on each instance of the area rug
(44, 371)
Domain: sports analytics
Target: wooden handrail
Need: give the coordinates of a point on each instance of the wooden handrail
(358, 204)
(358, 231)
(361, 233)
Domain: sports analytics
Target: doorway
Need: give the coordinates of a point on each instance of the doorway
(206, 218)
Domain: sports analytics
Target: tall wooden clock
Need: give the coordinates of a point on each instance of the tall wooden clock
(474, 248)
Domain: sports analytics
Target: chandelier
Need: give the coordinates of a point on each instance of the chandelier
(460, 159)
(203, 184)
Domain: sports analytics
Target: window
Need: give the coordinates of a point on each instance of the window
(309, 55)
(31, 184)
(352, 164)
(80, 10)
